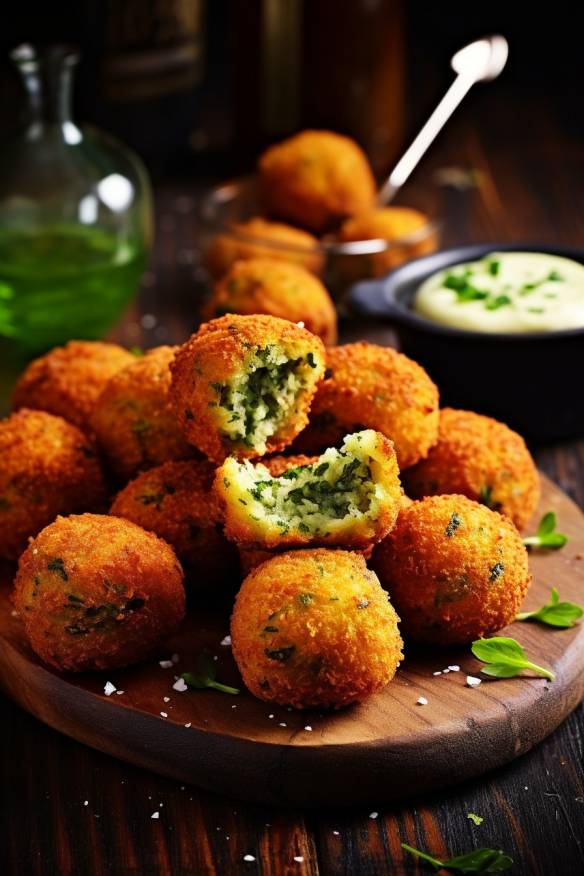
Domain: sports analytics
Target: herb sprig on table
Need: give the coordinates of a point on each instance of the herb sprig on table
(204, 676)
(478, 861)
(546, 535)
(505, 658)
(554, 613)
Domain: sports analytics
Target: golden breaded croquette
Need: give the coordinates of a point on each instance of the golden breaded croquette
(68, 380)
(133, 421)
(315, 179)
(47, 467)
(278, 289)
(260, 238)
(371, 387)
(97, 592)
(482, 459)
(176, 501)
(314, 628)
(348, 497)
(242, 385)
(454, 570)
(408, 229)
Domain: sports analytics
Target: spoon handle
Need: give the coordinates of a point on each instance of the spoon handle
(455, 94)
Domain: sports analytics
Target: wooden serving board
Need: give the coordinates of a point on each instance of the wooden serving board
(383, 749)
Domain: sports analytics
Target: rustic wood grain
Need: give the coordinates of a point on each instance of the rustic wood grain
(533, 808)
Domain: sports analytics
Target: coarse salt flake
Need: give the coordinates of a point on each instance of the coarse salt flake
(454, 668)
(336, 833)
(109, 689)
(422, 701)
(472, 681)
(439, 672)
(120, 692)
(86, 802)
(166, 699)
(309, 728)
(373, 815)
(165, 664)
(226, 642)
(180, 685)
(298, 858)
(155, 815)
(248, 858)
(164, 714)
(283, 724)
(188, 725)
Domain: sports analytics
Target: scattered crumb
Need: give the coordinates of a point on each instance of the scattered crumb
(180, 685)
(298, 858)
(422, 701)
(373, 815)
(300, 324)
(120, 692)
(226, 642)
(248, 858)
(164, 714)
(476, 819)
(283, 724)
(309, 728)
(234, 707)
(336, 832)
(165, 664)
(270, 716)
(188, 725)
(109, 689)
(86, 802)
(472, 681)
(155, 815)
(166, 699)
(445, 671)
(526, 787)
(439, 672)
(454, 668)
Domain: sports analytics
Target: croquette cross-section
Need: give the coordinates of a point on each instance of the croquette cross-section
(454, 570)
(349, 497)
(47, 467)
(242, 385)
(314, 628)
(371, 387)
(97, 592)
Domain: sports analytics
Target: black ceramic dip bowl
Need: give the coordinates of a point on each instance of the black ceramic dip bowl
(533, 381)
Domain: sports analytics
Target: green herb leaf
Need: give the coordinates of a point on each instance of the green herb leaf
(494, 302)
(478, 861)
(546, 535)
(505, 658)
(554, 613)
(204, 676)
(476, 819)
(493, 266)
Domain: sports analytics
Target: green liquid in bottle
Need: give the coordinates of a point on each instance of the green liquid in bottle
(62, 282)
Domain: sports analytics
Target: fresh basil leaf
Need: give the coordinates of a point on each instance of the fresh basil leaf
(554, 613)
(505, 658)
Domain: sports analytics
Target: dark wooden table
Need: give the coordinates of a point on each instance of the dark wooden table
(65, 809)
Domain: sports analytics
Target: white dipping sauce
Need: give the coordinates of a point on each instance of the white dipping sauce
(506, 292)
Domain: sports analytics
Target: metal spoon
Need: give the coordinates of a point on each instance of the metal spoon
(480, 61)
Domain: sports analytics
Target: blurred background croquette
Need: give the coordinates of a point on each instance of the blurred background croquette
(98, 592)
(278, 289)
(482, 459)
(242, 385)
(175, 501)
(133, 420)
(315, 179)
(315, 628)
(371, 387)
(404, 227)
(68, 380)
(47, 467)
(454, 570)
(246, 240)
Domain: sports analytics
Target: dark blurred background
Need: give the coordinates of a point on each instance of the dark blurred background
(197, 87)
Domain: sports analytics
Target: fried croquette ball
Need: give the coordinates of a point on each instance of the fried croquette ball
(482, 459)
(133, 421)
(176, 501)
(68, 380)
(242, 385)
(454, 570)
(47, 467)
(408, 228)
(315, 179)
(97, 592)
(372, 387)
(315, 628)
(247, 240)
(348, 497)
(277, 289)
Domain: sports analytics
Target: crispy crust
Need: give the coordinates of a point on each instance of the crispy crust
(385, 223)
(482, 459)
(314, 628)
(226, 249)
(316, 178)
(175, 500)
(133, 421)
(454, 570)
(276, 288)
(47, 467)
(245, 531)
(216, 354)
(97, 592)
(371, 387)
(68, 380)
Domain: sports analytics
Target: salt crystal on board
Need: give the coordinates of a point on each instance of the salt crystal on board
(226, 642)
(109, 689)
(422, 701)
(180, 685)
(472, 681)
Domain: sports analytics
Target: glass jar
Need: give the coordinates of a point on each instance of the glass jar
(75, 219)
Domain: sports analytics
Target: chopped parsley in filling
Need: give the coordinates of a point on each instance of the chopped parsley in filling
(254, 406)
(314, 499)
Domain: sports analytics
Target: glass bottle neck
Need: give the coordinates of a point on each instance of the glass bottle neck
(47, 77)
